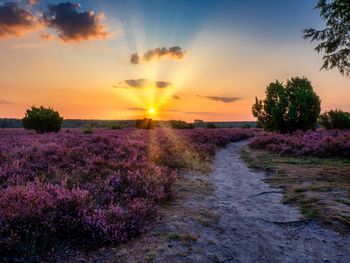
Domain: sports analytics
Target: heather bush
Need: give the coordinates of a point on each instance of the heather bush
(320, 143)
(42, 120)
(102, 188)
(335, 119)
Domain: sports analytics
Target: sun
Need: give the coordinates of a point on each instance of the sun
(152, 111)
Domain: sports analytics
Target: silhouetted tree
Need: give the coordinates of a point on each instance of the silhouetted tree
(334, 40)
(288, 108)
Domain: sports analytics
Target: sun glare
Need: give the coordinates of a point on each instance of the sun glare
(152, 111)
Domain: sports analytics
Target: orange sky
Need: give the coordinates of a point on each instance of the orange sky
(81, 79)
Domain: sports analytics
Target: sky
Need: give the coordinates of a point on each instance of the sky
(127, 59)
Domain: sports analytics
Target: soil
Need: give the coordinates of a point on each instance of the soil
(227, 215)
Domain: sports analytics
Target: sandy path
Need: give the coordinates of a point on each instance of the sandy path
(229, 215)
(258, 227)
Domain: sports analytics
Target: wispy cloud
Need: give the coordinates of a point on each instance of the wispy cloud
(142, 83)
(3, 102)
(175, 52)
(221, 98)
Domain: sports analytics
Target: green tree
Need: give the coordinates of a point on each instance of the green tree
(334, 40)
(42, 120)
(335, 119)
(288, 108)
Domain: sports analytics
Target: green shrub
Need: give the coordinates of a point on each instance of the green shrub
(42, 120)
(88, 129)
(287, 108)
(115, 126)
(245, 126)
(335, 119)
(178, 124)
(210, 125)
(146, 124)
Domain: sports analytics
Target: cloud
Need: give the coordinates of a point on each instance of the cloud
(136, 109)
(33, 2)
(221, 98)
(176, 97)
(135, 58)
(15, 21)
(73, 25)
(3, 102)
(162, 84)
(23, 45)
(172, 52)
(46, 36)
(142, 83)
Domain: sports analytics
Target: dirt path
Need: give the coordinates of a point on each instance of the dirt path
(228, 215)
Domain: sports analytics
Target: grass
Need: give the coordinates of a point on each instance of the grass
(320, 187)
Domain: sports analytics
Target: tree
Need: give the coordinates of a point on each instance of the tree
(335, 119)
(288, 108)
(335, 38)
(42, 120)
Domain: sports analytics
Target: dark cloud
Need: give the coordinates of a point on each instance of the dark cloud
(3, 101)
(221, 98)
(15, 21)
(135, 58)
(158, 53)
(142, 83)
(176, 97)
(73, 25)
(162, 84)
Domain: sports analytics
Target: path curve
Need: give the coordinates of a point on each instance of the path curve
(258, 227)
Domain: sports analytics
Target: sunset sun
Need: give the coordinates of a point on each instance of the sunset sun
(152, 111)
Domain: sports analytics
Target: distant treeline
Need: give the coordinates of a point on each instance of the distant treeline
(77, 123)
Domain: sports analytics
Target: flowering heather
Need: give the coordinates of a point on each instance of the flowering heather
(91, 188)
(320, 143)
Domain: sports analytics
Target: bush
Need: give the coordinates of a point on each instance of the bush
(146, 124)
(88, 129)
(246, 126)
(178, 124)
(42, 120)
(335, 119)
(294, 106)
(210, 125)
(115, 126)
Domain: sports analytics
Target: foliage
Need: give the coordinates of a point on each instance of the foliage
(145, 124)
(68, 187)
(334, 40)
(245, 126)
(42, 120)
(178, 124)
(88, 129)
(335, 119)
(115, 126)
(210, 125)
(319, 143)
(287, 108)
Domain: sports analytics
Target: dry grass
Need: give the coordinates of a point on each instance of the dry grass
(319, 186)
